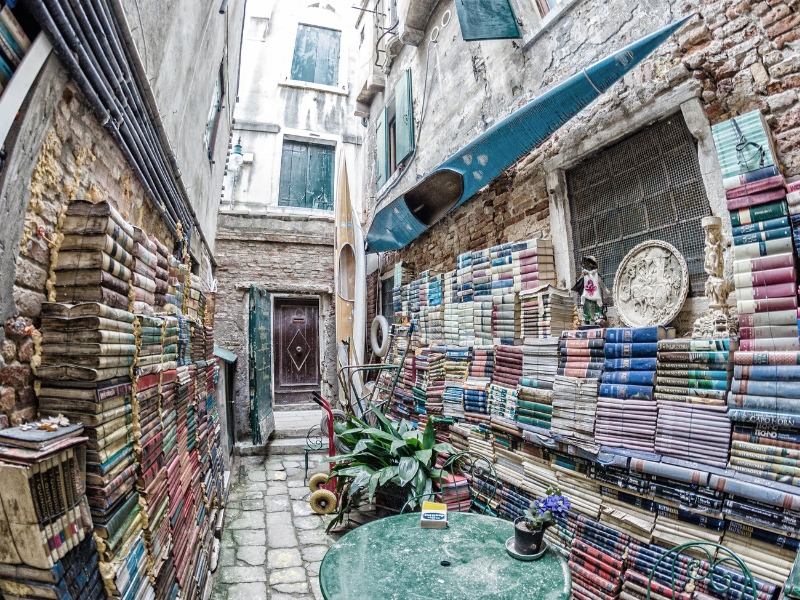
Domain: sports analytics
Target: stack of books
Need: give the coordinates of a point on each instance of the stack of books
(506, 319)
(169, 356)
(597, 560)
(581, 353)
(455, 367)
(436, 381)
(502, 401)
(43, 498)
(182, 508)
(793, 202)
(175, 286)
(450, 302)
(184, 341)
(454, 491)
(482, 297)
(691, 389)
(534, 402)
(466, 325)
(95, 258)
(626, 410)
(143, 282)
(150, 347)
(161, 300)
(476, 386)
(534, 264)
(546, 312)
(507, 365)
(574, 407)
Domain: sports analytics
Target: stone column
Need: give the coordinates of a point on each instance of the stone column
(715, 322)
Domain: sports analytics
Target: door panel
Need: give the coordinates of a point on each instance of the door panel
(260, 358)
(296, 337)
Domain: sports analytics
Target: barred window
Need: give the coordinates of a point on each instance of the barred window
(645, 187)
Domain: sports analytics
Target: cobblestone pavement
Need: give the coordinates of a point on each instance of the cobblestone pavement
(272, 543)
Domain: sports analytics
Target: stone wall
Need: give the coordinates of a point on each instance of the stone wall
(60, 153)
(283, 256)
(735, 56)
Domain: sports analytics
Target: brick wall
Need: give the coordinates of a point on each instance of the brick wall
(258, 254)
(736, 56)
(76, 159)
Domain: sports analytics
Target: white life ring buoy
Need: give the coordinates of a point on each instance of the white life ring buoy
(381, 349)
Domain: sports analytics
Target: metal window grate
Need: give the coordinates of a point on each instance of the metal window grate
(646, 187)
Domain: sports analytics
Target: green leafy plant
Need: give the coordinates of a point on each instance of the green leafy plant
(539, 515)
(388, 454)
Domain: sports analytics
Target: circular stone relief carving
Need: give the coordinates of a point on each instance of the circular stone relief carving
(651, 284)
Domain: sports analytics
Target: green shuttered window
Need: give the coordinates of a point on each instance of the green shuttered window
(306, 175)
(394, 130)
(487, 20)
(316, 55)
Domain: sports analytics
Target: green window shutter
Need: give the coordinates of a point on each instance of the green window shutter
(316, 55)
(382, 145)
(319, 186)
(487, 20)
(306, 179)
(404, 117)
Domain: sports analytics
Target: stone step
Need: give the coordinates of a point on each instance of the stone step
(295, 406)
(280, 446)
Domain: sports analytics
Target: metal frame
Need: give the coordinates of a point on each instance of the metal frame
(699, 572)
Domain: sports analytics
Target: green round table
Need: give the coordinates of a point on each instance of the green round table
(394, 558)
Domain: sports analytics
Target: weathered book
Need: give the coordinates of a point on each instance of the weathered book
(757, 186)
(767, 225)
(96, 336)
(84, 208)
(758, 418)
(627, 335)
(76, 373)
(762, 236)
(110, 244)
(768, 331)
(626, 392)
(118, 264)
(96, 392)
(104, 295)
(38, 439)
(90, 278)
(773, 388)
(143, 282)
(633, 350)
(762, 292)
(767, 372)
(759, 249)
(86, 309)
(630, 364)
(83, 323)
(757, 199)
(94, 362)
(90, 415)
(630, 377)
(769, 344)
(588, 343)
(766, 305)
(765, 278)
(743, 178)
(687, 345)
(82, 349)
(764, 212)
(777, 261)
(784, 317)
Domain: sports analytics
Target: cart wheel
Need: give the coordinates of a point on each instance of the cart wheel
(317, 481)
(323, 502)
(338, 416)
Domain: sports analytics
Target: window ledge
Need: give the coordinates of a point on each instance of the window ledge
(288, 213)
(317, 87)
(543, 26)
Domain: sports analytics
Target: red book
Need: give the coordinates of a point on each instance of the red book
(768, 277)
(764, 263)
(756, 187)
(756, 199)
(788, 344)
(762, 292)
(767, 305)
(793, 187)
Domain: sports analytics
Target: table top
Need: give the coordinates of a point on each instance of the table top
(394, 558)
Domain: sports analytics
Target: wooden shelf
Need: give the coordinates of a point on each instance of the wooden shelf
(20, 84)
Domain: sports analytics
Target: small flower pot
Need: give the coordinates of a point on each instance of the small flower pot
(527, 542)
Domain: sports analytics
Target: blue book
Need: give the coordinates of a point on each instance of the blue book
(624, 392)
(762, 236)
(760, 226)
(630, 377)
(627, 335)
(630, 364)
(781, 405)
(767, 372)
(765, 418)
(6, 72)
(779, 389)
(633, 350)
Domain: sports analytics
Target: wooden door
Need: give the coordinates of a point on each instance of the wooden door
(296, 349)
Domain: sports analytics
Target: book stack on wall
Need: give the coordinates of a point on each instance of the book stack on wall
(534, 264)
(466, 333)
(642, 559)
(150, 344)
(194, 304)
(476, 386)
(456, 367)
(581, 353)
(424, 325)
(15, 41)
(175, 286)
(596, 560)
(482, 297)
(422, 365)
(765, 416)
(546, 312)
(179, 480)
(793, 204)
(45, 523)
(184, 341)
(436, 379)
(506, 320)
(95, 257)
(143, 281)
(574, 407)
(627, 413)
(505, 378)
(450, 303)
(161, 300)
(435, 309)
(534, 402)
(691, 388)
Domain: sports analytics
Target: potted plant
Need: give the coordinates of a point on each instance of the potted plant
(530, 527)
(392, 457)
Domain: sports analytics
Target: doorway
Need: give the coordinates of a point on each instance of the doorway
(296, 350)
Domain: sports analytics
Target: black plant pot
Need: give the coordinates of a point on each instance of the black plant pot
(527, 542)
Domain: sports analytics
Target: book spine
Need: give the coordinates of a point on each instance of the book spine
(760, 249)
(767, 225)
(766, 305)
(756, 186)
(40, 508)
(777, 261)
(627, 335)
(10, 48)
(632, 350)
(765, 278)
(769, 331)
(743, 178)
(772, 210)
(630, 364)
(764, 292)
(630, 377)
(762, 236)
(759, 418)
(784, 317)
(15, 29)
(756, 199)
(769, 344)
